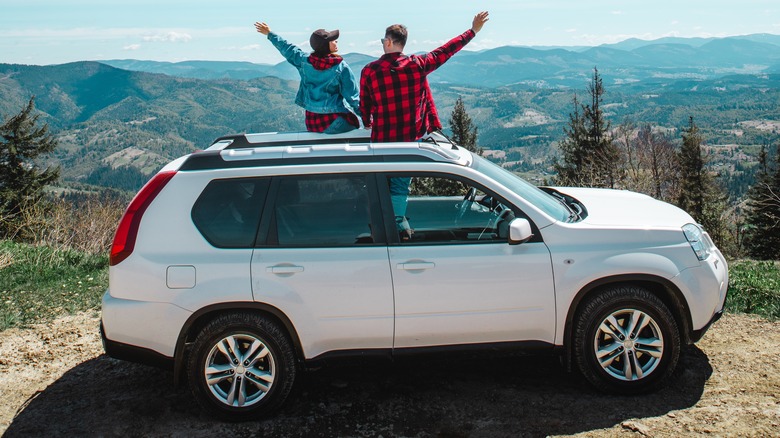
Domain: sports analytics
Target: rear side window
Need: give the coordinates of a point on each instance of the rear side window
(323, 210)
(227, 213)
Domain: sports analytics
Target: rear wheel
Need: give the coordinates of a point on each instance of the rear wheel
(626, 340)
(241, 366)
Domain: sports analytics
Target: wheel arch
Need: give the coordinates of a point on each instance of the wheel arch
(203, 316)
(664, 289)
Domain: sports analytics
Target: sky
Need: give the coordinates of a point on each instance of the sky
(43, 32)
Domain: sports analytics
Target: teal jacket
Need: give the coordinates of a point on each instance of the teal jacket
(332, 90)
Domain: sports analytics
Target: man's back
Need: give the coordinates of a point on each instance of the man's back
(396, 86)
(395, 98)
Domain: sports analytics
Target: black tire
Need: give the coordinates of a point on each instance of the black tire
(262, 356)
(626, 366)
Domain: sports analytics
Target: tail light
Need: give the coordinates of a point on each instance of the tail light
(127, 231)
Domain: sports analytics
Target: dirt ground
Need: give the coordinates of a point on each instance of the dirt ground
(55, 381)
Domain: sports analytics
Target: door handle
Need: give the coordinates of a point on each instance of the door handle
(416, 266)
(284, 269)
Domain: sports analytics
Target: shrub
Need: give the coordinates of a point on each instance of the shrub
(754, 287)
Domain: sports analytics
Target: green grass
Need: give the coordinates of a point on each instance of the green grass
(754, 287)
(40, 283)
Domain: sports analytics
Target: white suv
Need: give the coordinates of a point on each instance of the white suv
(266, 253)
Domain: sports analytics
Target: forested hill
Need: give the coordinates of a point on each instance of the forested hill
(114, 124)
(107, 116)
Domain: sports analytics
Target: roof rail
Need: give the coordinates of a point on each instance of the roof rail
(267, 139)
(241, 141)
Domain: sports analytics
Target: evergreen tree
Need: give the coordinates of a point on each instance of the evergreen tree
(700, 194)
(590, 157)
(572, 148)
(693, 177)
(463, 133)
(763, 211)
(21, 179)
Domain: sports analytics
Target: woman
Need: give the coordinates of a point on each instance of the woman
(328, 91)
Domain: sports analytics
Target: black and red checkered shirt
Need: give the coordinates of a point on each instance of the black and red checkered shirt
(395, 98)
(320, 122)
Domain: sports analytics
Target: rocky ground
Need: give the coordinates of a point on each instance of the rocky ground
(55, 381)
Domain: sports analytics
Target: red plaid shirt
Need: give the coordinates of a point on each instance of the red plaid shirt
(395, 98)
(320, 122)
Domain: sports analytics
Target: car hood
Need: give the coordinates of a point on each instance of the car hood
(623, 208)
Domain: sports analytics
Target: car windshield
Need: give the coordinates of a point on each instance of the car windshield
(534, 195)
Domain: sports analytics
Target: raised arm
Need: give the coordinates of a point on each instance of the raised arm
(293, 54)
(433, 60)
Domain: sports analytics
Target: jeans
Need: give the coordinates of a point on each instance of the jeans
(338, 126)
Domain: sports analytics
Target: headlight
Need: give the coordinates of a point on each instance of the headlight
(699, 240)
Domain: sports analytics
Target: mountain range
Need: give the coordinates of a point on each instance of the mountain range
(630, 60)
(124, 123)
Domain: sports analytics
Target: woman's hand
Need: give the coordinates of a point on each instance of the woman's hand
(262, 28)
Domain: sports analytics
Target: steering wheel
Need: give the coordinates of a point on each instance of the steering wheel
(466, 204)
(503, 214)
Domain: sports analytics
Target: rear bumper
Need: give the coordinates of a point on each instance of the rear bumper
(132, 353)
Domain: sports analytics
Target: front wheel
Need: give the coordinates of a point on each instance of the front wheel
(626, 341)
(241, 366)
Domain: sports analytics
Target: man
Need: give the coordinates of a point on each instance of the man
(395, 98)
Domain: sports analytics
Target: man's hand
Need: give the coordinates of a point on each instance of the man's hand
(479, 21)
(264, 29)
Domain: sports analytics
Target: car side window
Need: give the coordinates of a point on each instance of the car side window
(439, 209)
(323, 210)
(228, 211)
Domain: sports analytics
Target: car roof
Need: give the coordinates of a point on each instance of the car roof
(278, 149)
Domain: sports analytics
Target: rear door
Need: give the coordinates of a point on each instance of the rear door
(322, 260)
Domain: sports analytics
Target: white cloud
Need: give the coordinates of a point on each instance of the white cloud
(617, 12)
(132, 47)
(251, 47)
(169, 37)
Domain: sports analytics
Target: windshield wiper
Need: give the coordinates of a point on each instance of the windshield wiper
(573, 214)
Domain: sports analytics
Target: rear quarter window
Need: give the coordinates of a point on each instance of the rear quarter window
(227, 213)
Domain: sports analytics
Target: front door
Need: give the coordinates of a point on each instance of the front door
(456, 279)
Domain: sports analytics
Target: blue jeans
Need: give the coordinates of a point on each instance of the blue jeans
(338, 126)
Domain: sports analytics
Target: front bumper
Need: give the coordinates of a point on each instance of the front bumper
(696, 335)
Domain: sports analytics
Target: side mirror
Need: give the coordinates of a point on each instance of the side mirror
(519, 231)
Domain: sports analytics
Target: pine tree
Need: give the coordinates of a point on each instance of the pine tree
(763, 211)
(590, 157)
(693, 177)
(572, 148)
(700, 194)
(21, 179)
(463, 133)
